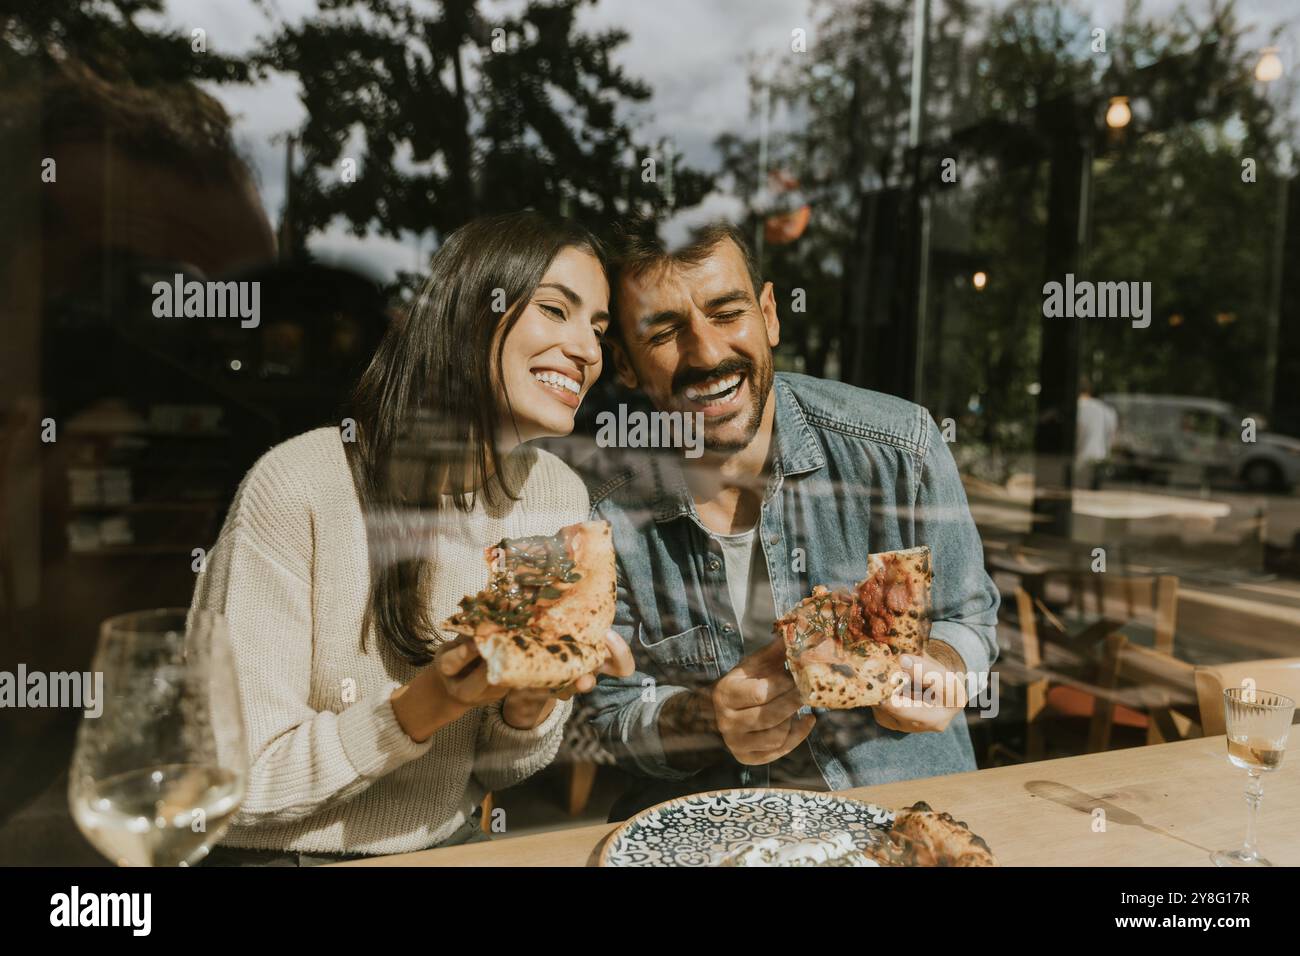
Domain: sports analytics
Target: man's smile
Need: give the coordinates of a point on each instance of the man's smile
(720, 395)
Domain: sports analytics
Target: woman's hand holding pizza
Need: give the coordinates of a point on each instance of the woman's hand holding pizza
(457, 681)
(927, 699)
(463, 673)
(440, 693)
(527, 707)
(454, 683)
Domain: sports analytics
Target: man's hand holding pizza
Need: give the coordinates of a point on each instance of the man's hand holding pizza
(931, 692)
(756, 704)
(753, 708)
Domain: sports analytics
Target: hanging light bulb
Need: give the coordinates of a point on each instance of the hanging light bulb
(1118, 114)
(1269, 67)
(979, 280)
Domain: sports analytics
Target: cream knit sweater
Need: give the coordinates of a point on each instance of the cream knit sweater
(331, 770)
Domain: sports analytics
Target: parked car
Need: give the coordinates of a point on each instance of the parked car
(1177, 439)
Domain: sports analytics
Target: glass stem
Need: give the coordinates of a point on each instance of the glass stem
(1254, 794)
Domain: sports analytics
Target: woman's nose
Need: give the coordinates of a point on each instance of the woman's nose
(584, 347)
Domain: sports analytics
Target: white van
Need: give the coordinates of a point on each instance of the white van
(1179, 439)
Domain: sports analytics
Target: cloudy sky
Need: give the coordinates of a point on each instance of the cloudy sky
(694, 54)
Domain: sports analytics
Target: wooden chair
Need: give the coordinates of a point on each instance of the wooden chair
(1051, 692)
(1279, 675)
(1159, 684)
(1120, 598)
(581, 778)
(581, 754)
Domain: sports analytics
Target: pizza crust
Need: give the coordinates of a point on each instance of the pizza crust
(825, 685)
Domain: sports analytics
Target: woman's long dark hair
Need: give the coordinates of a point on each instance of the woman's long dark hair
(426, 409)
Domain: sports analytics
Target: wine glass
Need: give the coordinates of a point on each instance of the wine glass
(157, 777)
(1258, 723)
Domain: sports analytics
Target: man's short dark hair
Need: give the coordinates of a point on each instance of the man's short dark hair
(637, 249)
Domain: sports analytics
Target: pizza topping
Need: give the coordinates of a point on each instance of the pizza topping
(884, 595)
(820, 620)
(528, 575)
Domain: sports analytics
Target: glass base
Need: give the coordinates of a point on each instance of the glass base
(1237, 858)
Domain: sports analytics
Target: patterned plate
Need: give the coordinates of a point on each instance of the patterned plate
(705, 829)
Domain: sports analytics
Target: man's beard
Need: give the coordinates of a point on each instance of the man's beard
(759, 378)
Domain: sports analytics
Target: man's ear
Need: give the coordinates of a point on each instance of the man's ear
(622, 364)
(767, 305)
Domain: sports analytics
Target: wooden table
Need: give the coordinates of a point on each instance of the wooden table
(1114, 504)
(1167, 805)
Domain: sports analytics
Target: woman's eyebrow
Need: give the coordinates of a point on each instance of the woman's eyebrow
(564, 290)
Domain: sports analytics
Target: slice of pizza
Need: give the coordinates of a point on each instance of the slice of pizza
(542, 618)
(833, 663)
(895, 599)
(941, 840)
(843, 646)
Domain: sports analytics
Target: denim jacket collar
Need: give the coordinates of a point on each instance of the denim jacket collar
(796, 452)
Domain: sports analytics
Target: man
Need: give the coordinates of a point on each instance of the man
(799, 480)
(1094, 434)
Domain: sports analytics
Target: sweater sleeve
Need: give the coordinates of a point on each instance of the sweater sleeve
(300, 760)
(504, 755)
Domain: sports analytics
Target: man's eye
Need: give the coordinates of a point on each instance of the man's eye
(736, 313)
(662, 337)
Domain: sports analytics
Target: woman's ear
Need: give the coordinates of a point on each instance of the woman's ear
(622, 364)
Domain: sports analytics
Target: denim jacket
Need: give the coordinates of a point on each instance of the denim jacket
(852, 472)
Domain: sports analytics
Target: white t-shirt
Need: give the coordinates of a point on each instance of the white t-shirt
(750, 589)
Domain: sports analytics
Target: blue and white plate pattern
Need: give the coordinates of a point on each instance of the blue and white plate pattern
(705, 829)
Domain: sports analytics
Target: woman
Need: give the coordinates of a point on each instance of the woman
(346, 546)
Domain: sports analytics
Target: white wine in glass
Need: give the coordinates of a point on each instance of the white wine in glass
(158, 776)
(1258, 724)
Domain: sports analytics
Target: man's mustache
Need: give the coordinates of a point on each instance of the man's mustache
(694, 376)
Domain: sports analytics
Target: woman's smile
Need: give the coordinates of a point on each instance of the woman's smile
(564, 386)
